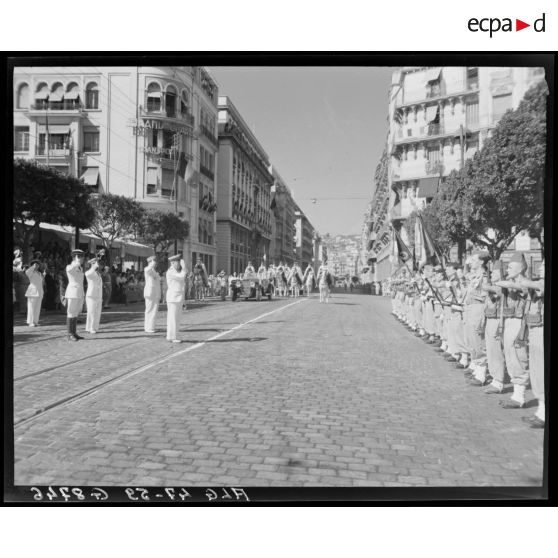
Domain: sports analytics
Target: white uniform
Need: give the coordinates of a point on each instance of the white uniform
(152, 295)
(93, 299)
(176, 281)
(74, 294)
(34, 294)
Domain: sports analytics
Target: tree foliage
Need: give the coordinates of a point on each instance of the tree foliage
(499, 192)
(115, 217)
(160, 229)
(44, 195)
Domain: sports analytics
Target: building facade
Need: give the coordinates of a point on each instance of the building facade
(125, 131)
(306, 240)
(283, 207)
(244, 219)
(438, 118)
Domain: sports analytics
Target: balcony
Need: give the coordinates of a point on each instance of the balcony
(434, 167)
(208, 133)
(431, 131)
(71, 108)
(159, 112)
(53, 152)
(207, 172)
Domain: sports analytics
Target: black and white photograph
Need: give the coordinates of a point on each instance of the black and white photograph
(234, 279)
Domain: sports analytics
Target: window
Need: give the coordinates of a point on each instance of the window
(22, 96)
(167, 182)
(433, 155)
(56, 98)
(472, 113)
(154, 138)
(41, 96)
(500, 105)
(71, 97)
(91, 140)
(472, 78)
(184, 103)
(168, 139)
(170, 102)
(92, 96)
(21, 139)
(151, 180)
(154, 97)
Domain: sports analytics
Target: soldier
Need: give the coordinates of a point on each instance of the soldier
(151, 294)
(93, 297)
(249, 269)
(262, 271)
(474, 318)
(535, 322)
(176, 278)
(513, 312)
(324, 282)
(308, 280)
(74, 294)
(492, 336)
(446, 298)
(107, 287)
(456, 343)
(222, 284)
(295, 280)
(34, 293)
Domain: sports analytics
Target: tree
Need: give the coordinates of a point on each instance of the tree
(160, 229)
(44, 195)
(115, 217)
(508, 176)
(498, 192)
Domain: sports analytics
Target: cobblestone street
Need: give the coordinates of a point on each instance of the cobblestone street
(281, 393)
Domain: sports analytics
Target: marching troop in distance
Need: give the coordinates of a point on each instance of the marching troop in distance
(485, 323)
(86, 286)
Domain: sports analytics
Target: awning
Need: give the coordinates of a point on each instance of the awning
(427, 187)
(155, 94)
(433, 74)
(71, 95)
(55, 97)
(431, 113)
(63, 129)
(41, 95)
(90, 176)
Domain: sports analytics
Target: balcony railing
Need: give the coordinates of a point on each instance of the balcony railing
(156, 110)
(53, 152)
(431, 130)
(207, 172)
(57, 105)
(208, 133)
(434, 167)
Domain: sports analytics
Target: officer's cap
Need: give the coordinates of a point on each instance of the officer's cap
(151, 259)
(78, 252)
(34, 262)
(93, 260)
(518, 257)
(175, 258)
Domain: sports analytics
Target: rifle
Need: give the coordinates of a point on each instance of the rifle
(434, 291)
(521, 339)
(500, 329)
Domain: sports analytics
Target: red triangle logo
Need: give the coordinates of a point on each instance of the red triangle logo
(519, 25)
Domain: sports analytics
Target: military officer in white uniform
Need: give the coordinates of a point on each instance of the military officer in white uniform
(74, 294)
(34, 293)
(152, 294)
(176, 279)
(93, 296)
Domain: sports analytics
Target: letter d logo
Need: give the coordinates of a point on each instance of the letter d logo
(539, 24)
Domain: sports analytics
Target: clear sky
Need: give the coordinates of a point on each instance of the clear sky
(323, 129)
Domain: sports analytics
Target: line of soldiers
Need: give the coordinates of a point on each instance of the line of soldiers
(483, 322)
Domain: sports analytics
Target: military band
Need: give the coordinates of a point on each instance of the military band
(489, 326)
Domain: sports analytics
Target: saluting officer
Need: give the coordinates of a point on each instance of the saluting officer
(74, 294)
(93, 297)
(34, 293)
(151, 294)
(513, 309)
(176, 279)
(535, 322)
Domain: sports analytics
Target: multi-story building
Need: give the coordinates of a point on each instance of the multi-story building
(306, 240)
(125, 131)
(244, 183)
(283, 206)
(439, 117)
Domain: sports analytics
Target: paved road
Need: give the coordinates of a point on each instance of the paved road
(281, 393)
